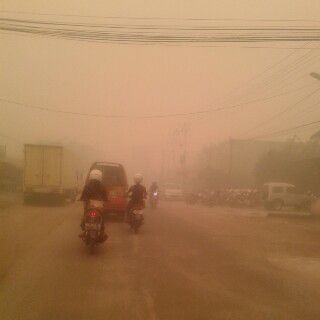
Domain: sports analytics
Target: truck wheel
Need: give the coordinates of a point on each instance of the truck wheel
(277, 204)
(73, 196)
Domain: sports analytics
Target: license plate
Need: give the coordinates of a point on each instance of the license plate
(92, 226)
(93, 234)
(140, 212)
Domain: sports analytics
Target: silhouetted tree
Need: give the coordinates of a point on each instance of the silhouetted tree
(297, 163)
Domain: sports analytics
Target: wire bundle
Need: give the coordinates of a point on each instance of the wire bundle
(160, 33)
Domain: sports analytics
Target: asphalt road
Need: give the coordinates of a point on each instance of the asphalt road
(188, 262)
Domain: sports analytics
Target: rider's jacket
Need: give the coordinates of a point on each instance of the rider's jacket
(138, 193)
(94, 190)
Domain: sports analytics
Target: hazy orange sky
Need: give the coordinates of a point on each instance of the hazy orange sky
(146, 80)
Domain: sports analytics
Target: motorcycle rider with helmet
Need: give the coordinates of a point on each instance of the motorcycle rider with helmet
(154, 191)
(154, 187)
(93, 190)
(137, 193)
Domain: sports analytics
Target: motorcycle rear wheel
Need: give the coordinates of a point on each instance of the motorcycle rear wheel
(91, 248)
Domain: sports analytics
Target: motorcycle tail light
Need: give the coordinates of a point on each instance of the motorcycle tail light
(93, 214)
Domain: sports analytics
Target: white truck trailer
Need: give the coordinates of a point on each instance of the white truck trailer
(49, 171)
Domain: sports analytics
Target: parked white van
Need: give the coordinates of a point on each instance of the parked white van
(276, 195)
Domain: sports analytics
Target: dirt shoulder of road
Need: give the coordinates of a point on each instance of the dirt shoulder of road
(24, 227)
(8, 199)
(290, 240)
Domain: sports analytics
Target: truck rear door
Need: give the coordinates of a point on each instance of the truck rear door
(52, 161)
(33, 165)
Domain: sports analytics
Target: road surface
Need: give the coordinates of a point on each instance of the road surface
(188, 262)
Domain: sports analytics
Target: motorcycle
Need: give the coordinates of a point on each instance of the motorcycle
(136, 217)
(93, 225)
(154, 199)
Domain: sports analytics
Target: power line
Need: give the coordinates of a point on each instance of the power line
(24, 22)
(177, 45)
(270, 97)
(259, 75)
(168, 35)
(155, 18)
(256, 101)
(269, 81)
(299, 115)
(286, 130)
(273, 65)
(280, 113)
(286, 70)
(9, 138)
(206, 111)
(112, 116)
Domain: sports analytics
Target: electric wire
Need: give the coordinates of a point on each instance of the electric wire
(258, 34)
(177, 45)
(285, 130)
(208, 110)
(269, 82)
(291, 68)
(111, 116)
(279, 114)
(209, 34)
(207, 118)
(10, 138)
(306, 111)
(153, 18)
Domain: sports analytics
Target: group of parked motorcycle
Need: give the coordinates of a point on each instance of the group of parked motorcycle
(228, 197)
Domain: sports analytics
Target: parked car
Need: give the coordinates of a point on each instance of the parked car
(172, 192)
(276, 195)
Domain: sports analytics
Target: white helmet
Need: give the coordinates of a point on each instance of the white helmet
(95, 175)
(137, 178)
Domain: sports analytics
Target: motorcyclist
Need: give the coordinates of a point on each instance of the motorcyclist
(154, 187)
(93, 190)
(137, 194)
(153, 191)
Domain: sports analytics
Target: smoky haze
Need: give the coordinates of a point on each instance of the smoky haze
(216, 101)
(136, 81)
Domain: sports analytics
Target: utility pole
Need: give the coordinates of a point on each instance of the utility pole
(185, 129)
(167, 158)
(230, 162)
(162, 168)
